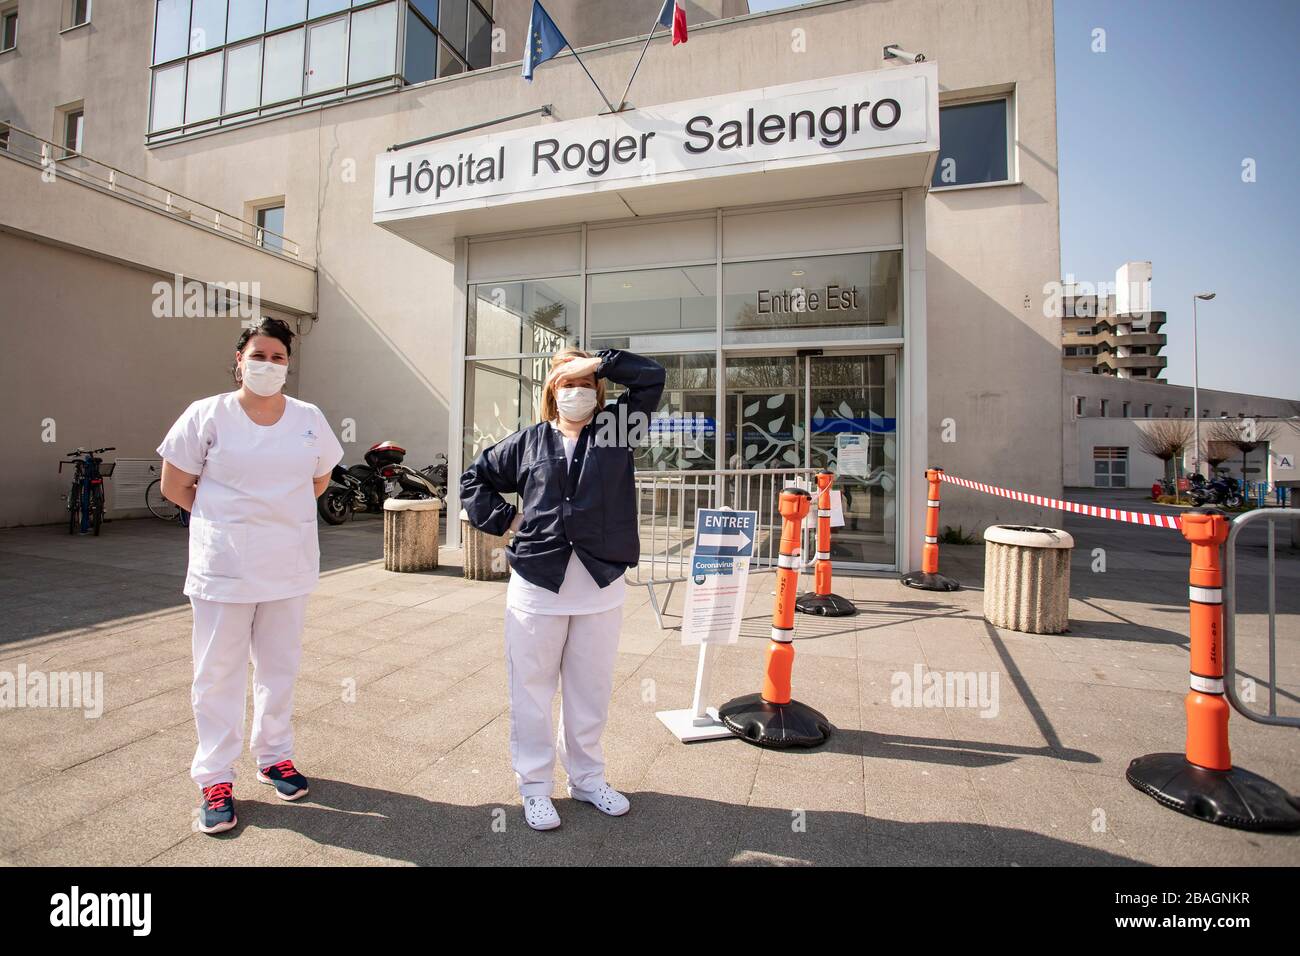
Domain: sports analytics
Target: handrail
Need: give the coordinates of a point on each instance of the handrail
(1230, 615)
(108, 178)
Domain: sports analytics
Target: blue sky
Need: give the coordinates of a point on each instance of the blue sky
(1152, 135)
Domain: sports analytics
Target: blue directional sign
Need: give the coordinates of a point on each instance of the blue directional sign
(725, 533)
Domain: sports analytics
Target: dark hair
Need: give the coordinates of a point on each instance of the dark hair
(275, 328)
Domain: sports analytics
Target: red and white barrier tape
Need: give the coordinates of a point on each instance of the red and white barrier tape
(1093, 511)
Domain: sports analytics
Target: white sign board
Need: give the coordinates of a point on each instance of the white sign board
(886, 112)
(851, 454)
(715, 592)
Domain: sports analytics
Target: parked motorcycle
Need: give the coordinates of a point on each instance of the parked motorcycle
(365, 487)
(1220, 490)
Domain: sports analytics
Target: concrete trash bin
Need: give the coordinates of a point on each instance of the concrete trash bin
(1027, 578)
(485, 554)
(411, 534)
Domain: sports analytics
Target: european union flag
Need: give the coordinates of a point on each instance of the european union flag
(544, 39)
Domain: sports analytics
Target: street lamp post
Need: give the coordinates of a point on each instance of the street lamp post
(1196, 378)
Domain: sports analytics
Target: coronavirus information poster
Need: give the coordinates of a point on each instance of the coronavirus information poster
(715, 593)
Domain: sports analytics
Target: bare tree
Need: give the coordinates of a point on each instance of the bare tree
(1243, 434)
(1166, 439)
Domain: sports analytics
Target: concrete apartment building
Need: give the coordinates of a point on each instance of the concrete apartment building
(835, 253)
(1114, 333)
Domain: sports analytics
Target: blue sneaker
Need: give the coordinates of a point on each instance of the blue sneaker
(217, 815)
(288, 782)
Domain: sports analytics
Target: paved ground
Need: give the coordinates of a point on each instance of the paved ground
(416, 769)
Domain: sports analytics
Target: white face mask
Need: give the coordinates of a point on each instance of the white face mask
(576, 404)
(264, 378)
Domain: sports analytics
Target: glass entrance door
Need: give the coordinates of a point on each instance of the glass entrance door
(853, 430)
(835, 411)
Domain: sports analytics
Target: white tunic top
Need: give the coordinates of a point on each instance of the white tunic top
(253, 531)
(579, 594)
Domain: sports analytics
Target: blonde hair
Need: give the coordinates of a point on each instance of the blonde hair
(547, 411)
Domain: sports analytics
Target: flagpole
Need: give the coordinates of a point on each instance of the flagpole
(590, 77)
(623, 101)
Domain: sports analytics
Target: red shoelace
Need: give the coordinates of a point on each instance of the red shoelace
(285, 767)
(217, 795)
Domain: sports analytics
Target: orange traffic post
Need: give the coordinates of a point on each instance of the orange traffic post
(772, 718)
(929, 578)
(1202, 782)
(821, 600)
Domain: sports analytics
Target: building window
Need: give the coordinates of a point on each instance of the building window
(270, 227)
(1105, 407)
(76, 13)
(1110, 466)
(1125, 410)
(203, 88)
(371, 55)
(666, 309)
(8, 29)
(536, 317)
(243, 74)
(244, 19)
(974, 143)
(446, 37)
(1080, 406)
(1146, 410)
(74, 118)
(282, 67)
(327, 54)
(421, 60)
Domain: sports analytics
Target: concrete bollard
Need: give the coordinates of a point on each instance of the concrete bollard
(485, 554)
(411, 534)
(1027, 578)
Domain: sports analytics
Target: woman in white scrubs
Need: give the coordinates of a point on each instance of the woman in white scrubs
(248, 464)
(575, 535)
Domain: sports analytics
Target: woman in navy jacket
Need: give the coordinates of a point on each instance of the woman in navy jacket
(575, 534)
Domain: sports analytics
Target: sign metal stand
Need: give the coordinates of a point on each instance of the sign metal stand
(715, 597)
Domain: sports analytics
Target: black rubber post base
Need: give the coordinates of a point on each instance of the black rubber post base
(779, 726)
(827, 605)
(924, 581)
(1231, 798)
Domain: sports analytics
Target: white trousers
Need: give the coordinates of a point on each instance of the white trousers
(576, 652)
(225, 635)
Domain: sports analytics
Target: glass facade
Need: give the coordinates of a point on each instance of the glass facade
(764, 300)
(651, 309)
(539, 316)
(217, 62)
(795, 369)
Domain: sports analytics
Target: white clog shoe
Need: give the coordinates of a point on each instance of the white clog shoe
(604, 798)
(541, 813)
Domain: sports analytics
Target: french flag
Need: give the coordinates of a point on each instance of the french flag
(673, 14)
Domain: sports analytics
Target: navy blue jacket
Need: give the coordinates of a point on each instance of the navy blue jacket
(589, 506)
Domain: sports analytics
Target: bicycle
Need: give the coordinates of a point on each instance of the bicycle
(86, 496)
(163, 508)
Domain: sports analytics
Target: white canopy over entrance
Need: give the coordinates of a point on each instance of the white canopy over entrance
(846, 134)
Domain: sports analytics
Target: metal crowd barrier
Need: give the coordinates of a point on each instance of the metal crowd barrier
(667, 502)
(1271, 516)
